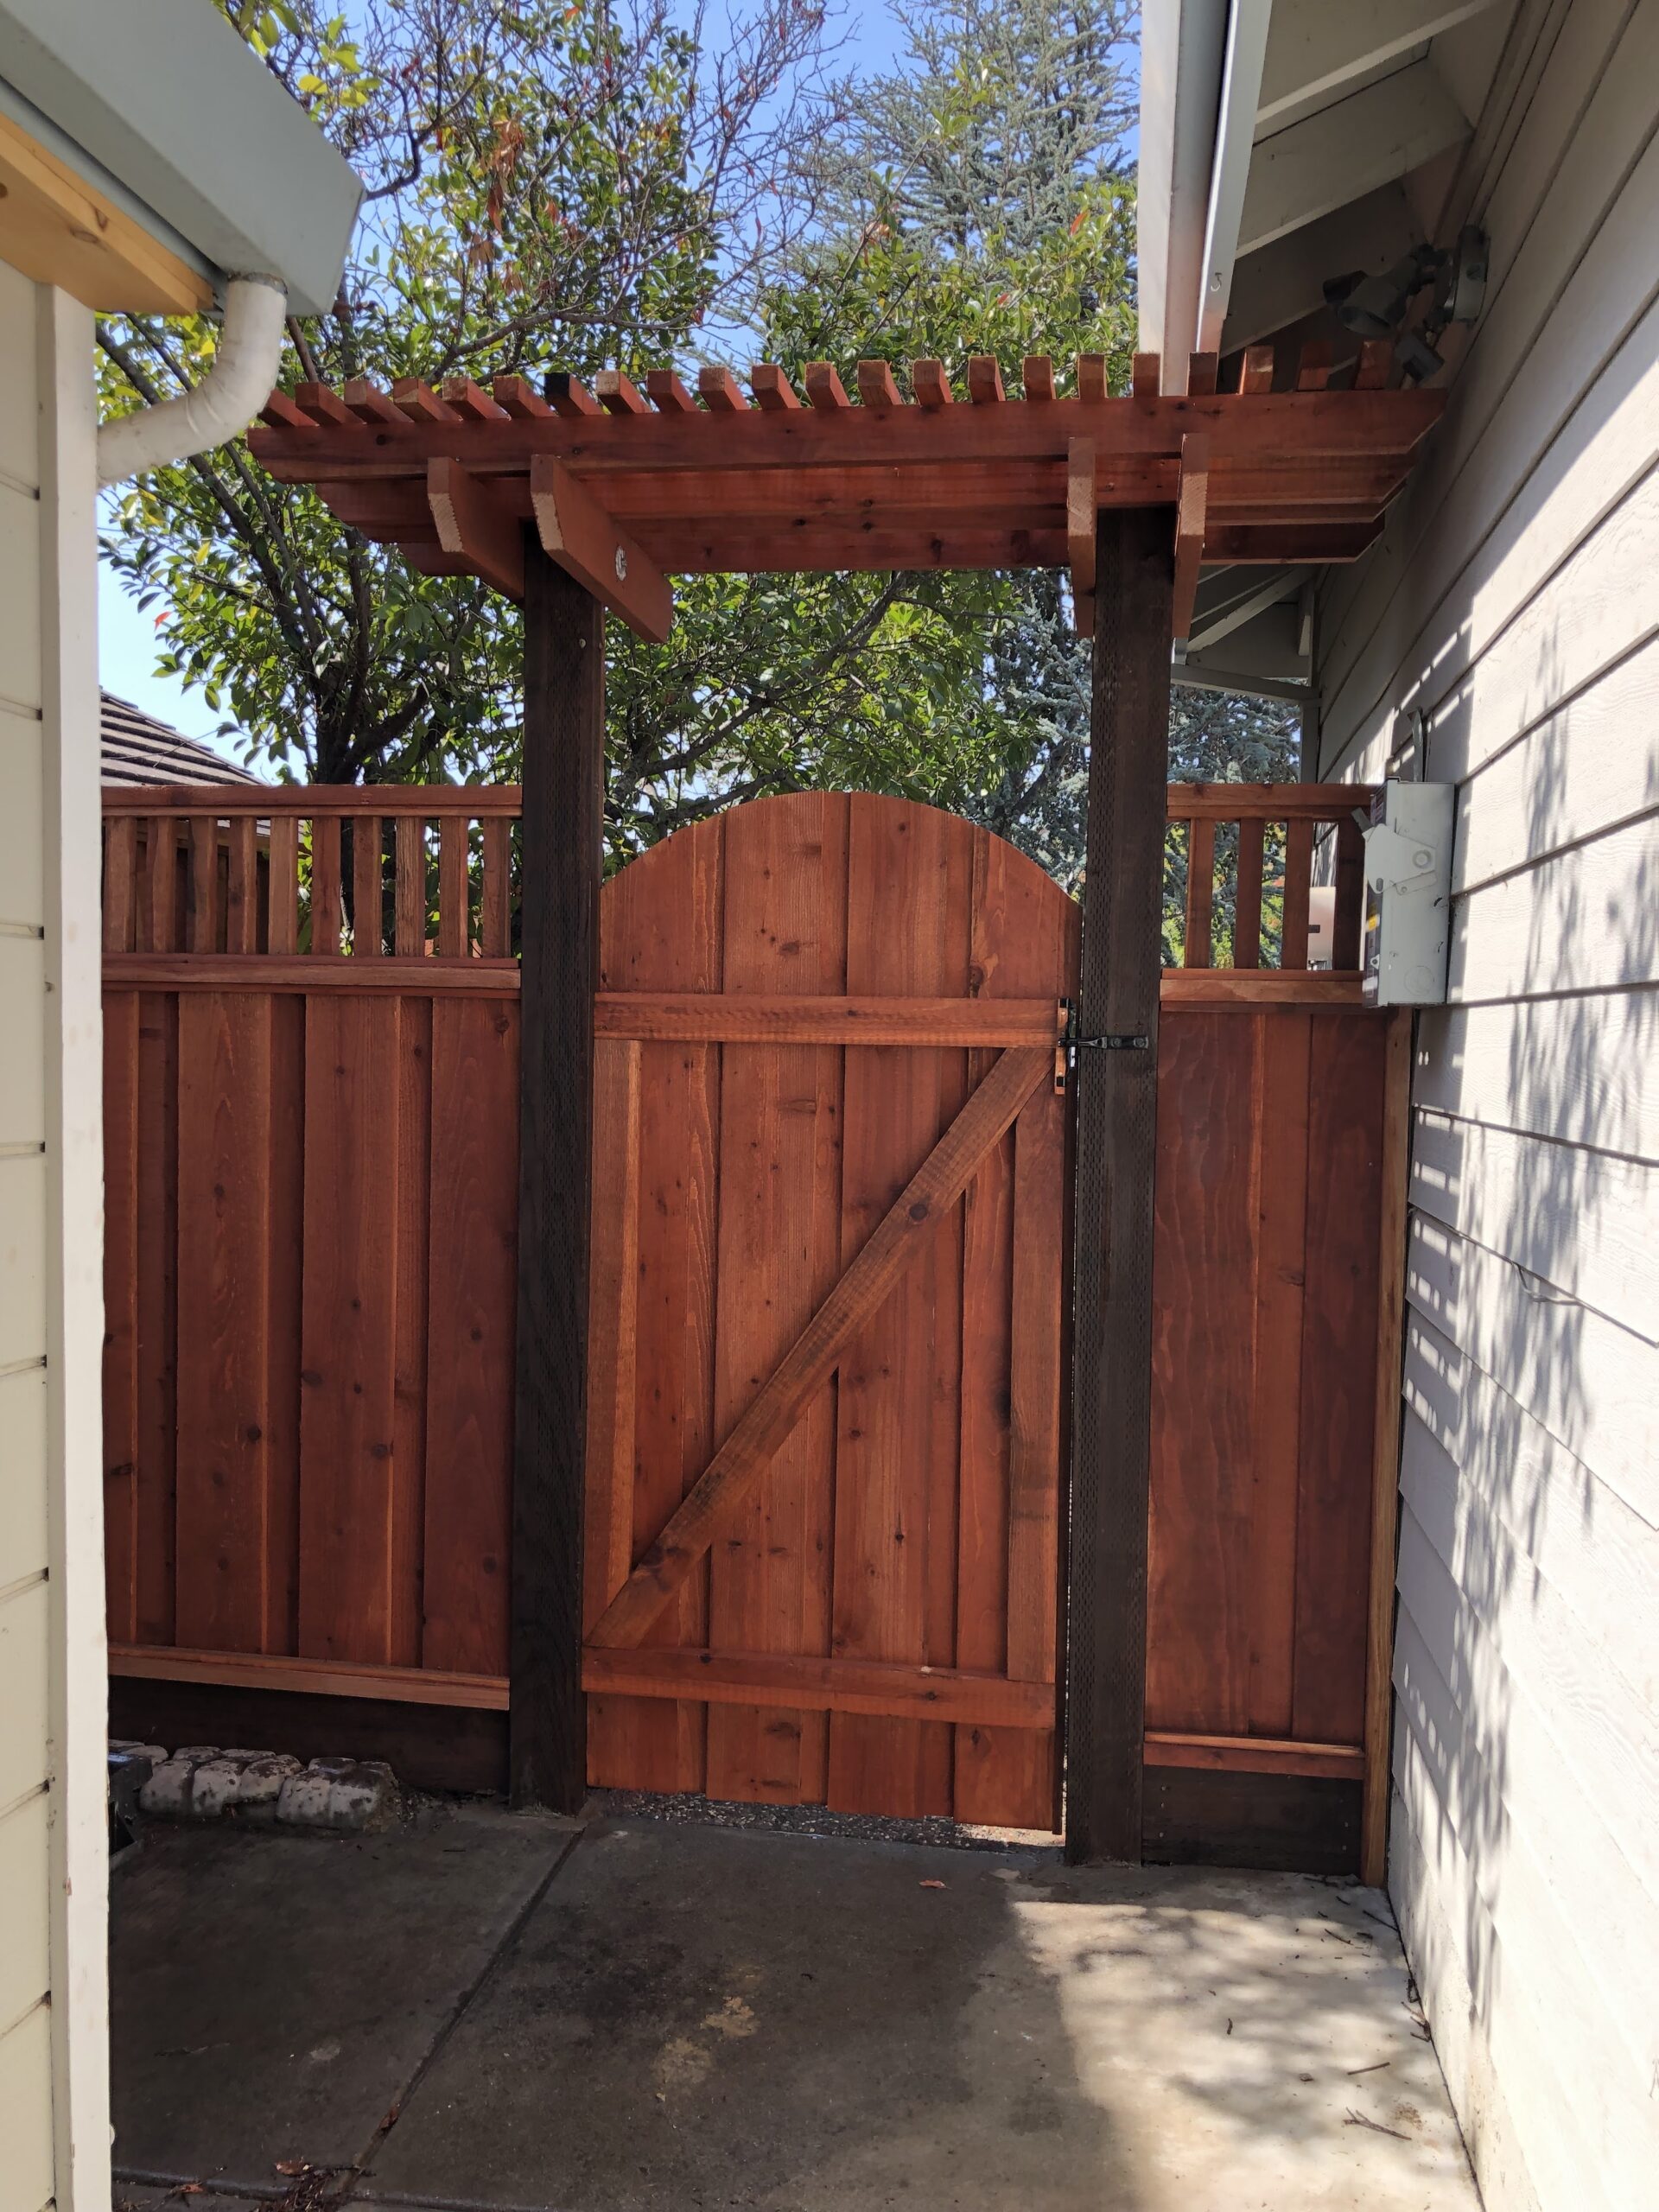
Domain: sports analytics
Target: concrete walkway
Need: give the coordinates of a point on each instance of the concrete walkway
(483, 2010)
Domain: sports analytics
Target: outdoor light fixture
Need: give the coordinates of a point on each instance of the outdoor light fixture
(1375, 306)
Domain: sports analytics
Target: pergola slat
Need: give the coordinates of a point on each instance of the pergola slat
(773, 389)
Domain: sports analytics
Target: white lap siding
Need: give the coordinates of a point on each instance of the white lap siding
(1515, 600)
(54, 2102)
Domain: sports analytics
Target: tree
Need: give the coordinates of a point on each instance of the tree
(978, 200)
(559, 182)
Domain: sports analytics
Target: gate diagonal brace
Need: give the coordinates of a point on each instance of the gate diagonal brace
(709, 1506)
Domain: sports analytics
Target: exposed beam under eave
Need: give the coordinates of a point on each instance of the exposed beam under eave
(1210, 627)
(1317, 47)
(1252, 687)
(1281, 282)
(1369, 139)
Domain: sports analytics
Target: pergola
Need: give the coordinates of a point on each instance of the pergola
(626, 488)
(578, 502)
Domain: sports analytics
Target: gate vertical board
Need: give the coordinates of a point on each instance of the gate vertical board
(1013, 1288)
(1112, 1437)
(613, 1326)
(660, 930)
(785, 933)
(909, 880)
(561, 860)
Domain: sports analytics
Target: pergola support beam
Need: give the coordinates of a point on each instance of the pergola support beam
(1111, 1429)
(564, 807)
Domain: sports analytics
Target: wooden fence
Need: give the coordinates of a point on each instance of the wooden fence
(312, 1117)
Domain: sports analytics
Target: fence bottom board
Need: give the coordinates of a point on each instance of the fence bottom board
(426, 1746)
(1274, 1823)
(270, 1670)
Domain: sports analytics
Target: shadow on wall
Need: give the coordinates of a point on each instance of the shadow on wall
(1532, 1308)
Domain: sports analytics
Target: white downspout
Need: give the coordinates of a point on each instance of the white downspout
(226, 401)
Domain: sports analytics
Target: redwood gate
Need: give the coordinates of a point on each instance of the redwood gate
(806, 1003)
(313, 1132)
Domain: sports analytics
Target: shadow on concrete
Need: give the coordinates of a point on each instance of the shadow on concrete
(700, 2015)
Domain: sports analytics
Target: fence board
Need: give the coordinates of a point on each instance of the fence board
(122, 1395)
(1333, 1515)
(349, 1341)
(415, 1282)
(224, 1378)
(1198, 1606)
(288, 1236)
(156, 1240)
(472, 1260)
(1280, 1108)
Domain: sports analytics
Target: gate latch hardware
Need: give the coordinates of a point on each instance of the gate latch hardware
(1071, 1044)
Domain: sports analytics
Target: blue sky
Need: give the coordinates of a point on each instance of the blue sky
(127, 638)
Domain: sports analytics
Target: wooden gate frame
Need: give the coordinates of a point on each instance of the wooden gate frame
(576, 504)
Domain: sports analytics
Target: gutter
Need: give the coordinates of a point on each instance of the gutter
(226, 400)
(1200, 86)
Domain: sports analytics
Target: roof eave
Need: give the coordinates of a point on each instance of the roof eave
(166, 107)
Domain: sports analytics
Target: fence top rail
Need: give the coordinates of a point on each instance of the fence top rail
(425, 802)
(479, 802)
(1265, 802)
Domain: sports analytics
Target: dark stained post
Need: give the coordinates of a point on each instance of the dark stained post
(1111, 1440)
(562, 859)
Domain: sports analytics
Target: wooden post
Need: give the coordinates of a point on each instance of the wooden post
(562, 859)
(1385, 1452)
(1111, 1429)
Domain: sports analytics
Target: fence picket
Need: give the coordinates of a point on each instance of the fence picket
(454, 918)
(325, 884)
(1247, 895)
(282, 929)
(367, 877)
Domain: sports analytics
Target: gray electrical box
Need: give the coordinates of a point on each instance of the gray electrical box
(1408, 893)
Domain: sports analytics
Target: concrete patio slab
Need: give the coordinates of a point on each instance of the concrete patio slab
(273, 1995)
(695, 2016)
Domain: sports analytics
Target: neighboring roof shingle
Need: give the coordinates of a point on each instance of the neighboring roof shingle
(137, 749)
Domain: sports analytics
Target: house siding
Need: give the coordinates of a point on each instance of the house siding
(1514, 600)
(54, 2098)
